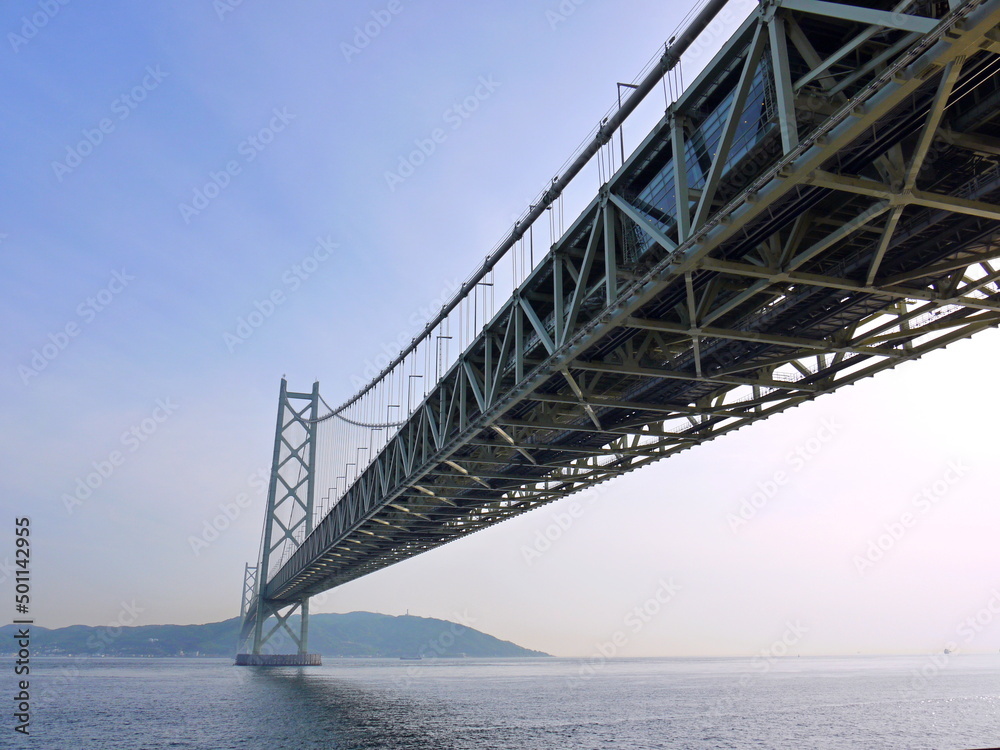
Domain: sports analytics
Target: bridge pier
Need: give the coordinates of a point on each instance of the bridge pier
(282, 628)
(304, 627)
(279, 660)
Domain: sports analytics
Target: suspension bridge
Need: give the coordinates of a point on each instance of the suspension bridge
(819, 204)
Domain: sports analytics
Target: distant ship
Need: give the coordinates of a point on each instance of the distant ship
(410, 658)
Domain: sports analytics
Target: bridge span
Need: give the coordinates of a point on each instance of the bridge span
(821, 203)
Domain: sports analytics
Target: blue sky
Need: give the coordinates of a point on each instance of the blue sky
(280, 108)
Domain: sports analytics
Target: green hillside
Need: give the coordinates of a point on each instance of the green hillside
(356, 634)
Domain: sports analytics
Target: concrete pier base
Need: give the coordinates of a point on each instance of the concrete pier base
(279, 660)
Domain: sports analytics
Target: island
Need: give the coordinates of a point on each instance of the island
(350, 635)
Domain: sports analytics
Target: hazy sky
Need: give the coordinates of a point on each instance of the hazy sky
(167, 167)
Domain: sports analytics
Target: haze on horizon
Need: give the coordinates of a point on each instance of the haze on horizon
(163, 369)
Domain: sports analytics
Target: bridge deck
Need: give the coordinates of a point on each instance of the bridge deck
(841, 222)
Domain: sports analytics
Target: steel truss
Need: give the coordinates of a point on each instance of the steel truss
(821, 204)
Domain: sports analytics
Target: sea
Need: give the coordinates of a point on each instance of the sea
(936, 701)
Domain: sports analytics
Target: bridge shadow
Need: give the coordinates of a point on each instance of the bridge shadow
(308, 708)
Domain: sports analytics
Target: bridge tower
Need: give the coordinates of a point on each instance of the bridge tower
(288, 519)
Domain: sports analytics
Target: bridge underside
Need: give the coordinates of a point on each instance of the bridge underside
(840, 219)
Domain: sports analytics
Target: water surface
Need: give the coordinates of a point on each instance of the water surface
(516, 704)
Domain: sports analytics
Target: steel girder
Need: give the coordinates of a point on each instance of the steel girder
(853, 230)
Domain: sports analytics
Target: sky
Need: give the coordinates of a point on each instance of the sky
(169, 169)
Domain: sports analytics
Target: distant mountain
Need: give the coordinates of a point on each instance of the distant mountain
(356, 634)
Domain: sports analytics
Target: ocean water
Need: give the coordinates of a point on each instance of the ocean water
(522, 704)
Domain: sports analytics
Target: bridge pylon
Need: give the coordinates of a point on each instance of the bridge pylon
(288, 519)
